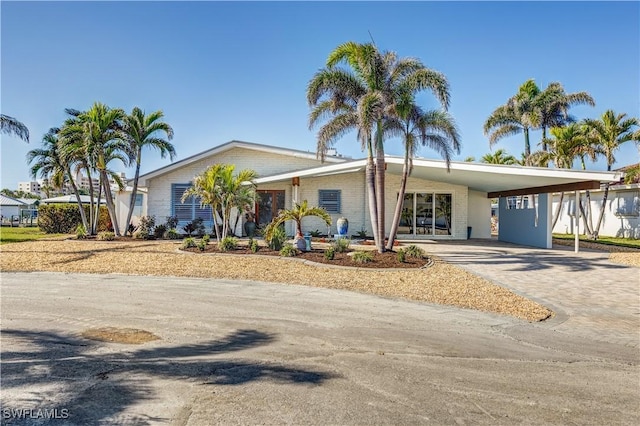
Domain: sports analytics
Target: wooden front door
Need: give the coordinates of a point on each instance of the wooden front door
(269, 203)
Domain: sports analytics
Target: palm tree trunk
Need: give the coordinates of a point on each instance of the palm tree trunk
(215, 224)
(83, 215)
(527, 145)
(91, 206)
(371, 194)
(587, 228)
(601, 216)
(134, 192)
(557, 213)
(544, 138)
(97, 212)
(110, 205)
(380, 187)
(400, 202)
(589, 215)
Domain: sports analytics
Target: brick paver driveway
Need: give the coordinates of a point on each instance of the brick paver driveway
(592, 297)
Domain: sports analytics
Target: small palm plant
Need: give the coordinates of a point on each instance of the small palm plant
(297, 213)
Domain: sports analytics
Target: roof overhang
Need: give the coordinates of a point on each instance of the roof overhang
(493, 179)
(142, 181)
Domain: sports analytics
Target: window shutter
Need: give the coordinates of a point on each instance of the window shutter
(330, 200)
(184, 211)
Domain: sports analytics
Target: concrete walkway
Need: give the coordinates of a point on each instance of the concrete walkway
(591, 296)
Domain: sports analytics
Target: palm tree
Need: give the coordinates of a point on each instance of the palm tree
(552, 105)
(145, 131)
(361, 98)
(516, 116)
(499, 157)
(11, 126)
(608, 133)
(206, 187)
(52, 165)
(103, 140)
(297, 213)
(434, 129)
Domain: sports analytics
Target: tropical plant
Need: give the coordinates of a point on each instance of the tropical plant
(253, 245)
(434, 129)
(171, 234)
(341, 245)
(196, 226)
(362, 257)
(296, 214)
(401, 256)
(188, 242)
(276, 238)
(106, 236)
(608, 133)
(361, 98)
(329, 253)
(145, 130)
(414, 251)
(81, 232)
(11, 126)
(500, 156)
(202, 245)
(288, 250)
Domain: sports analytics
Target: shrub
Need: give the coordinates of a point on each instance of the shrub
(172, 222)
(228, 244)
(159, 231)
(278, 237)
(188, 243)
(341, 245)
(362, 233)
(171, 234)
(202, 245)
(315, 233)
(65, 218)
(288, 250)
(196, 226)
(253, 245)
(330, 253)
(81, 233)
(106, 236)
(147, 223)
(400, 255)
(206, 238)
(362, 257)
(414, 251)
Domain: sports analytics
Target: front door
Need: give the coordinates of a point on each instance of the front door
(270, 202)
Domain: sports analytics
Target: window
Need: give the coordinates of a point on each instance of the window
(329, 199)
(628, 204)
(190, 209)
(137, 205)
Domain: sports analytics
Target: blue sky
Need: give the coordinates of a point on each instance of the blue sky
(223, 71)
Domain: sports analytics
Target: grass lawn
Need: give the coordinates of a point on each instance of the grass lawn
(18, 235)
(622, 242)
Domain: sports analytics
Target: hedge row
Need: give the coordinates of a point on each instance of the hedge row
(65, 218)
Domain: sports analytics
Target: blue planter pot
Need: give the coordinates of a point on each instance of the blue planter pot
(342, 225)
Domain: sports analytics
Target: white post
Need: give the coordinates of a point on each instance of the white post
(576, 228)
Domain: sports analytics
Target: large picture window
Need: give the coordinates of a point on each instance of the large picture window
(190, 209)
(329, 199)
(426, 214)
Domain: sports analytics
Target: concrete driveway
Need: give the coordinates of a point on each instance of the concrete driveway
(592, 297)
(257, 353)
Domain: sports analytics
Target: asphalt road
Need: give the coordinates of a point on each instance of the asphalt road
(257, 353)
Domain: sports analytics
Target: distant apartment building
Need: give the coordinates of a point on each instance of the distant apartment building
(32, 187)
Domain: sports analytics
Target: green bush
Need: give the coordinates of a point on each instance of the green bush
(171, 234)
(278, 237)
(330, 253)
(206, 238)
(106, 236)
(362, 257)
(188, 243)
(253, 245)
(228, 244)
(159, 231)
(288, 250)
(65, 218)
(400, 255)
(202, 245)
(81, 233)
(414, 251)
(341, 245)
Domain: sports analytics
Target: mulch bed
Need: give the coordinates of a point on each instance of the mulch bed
(380, 260)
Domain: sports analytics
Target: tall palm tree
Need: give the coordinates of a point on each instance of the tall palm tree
(103, 140)
(11, 126)
(608, 133)
(206, 188)
(52, 165)
(434, 129)
(518, 115)
(296, 214)
(146, 131)
(499, 157)
(361, 98)
(552, 105)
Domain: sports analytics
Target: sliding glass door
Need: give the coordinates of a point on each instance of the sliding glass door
(419, 210)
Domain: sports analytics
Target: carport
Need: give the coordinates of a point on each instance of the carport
(529, 226)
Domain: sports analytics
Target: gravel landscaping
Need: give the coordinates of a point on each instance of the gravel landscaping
(440, 283)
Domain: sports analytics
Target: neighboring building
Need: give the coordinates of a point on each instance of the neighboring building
(10, 208)
(437, 205)
(621, 211)
(71, 198)
(32, 187)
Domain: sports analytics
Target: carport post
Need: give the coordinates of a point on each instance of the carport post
(577, 224)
